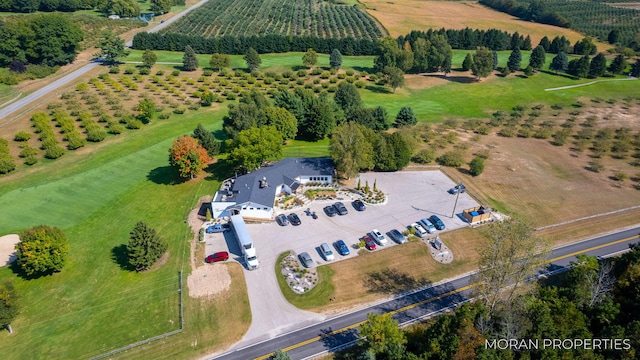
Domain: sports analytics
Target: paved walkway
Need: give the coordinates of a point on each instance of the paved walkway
(589, 83)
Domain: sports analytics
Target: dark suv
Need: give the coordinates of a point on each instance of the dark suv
(340, 208)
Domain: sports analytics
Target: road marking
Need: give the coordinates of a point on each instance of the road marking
(408, 307)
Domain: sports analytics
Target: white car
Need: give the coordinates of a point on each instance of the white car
(326, 252)
(419, 230)
(378, 237)
(428, 225)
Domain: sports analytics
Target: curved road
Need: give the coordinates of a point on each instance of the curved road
(339, 331)
(35, 96)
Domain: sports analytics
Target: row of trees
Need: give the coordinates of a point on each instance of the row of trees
(534, 10)
(124, 8)
(469, 39)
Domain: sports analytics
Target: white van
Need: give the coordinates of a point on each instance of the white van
(326, 252)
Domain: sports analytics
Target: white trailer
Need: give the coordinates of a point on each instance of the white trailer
(244, 240)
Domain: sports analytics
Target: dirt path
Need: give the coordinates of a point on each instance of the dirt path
(589, 83)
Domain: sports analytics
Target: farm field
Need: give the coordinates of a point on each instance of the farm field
(399, 18)
(277, 17)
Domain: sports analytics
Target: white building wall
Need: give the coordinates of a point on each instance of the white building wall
(324, 179)
(256, 211)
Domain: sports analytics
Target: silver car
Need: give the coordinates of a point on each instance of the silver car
(306, 259)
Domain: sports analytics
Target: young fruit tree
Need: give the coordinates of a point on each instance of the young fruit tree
(145, 247)
(8, 305)
(42, 250)
(189, 157)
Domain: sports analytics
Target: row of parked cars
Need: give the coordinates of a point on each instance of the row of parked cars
(326, 251)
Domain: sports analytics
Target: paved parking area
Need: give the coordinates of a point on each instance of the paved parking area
(412, 195)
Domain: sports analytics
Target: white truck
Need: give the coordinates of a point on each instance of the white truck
(244, 240)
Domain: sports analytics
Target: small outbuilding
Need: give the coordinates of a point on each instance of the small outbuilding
(476, 214)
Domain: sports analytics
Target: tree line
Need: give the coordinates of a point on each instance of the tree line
(534, 10)
(125, 8)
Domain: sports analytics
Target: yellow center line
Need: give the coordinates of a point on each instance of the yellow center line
(408, 307)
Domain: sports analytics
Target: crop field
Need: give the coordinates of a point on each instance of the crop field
(400, 17)
(277, 17)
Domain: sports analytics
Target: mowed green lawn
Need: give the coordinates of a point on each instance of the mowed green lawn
(94, 305)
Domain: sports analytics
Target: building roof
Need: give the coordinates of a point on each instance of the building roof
(287, 171)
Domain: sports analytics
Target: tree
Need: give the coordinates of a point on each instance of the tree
(393, 152)
(585, 47)
(545, 43)
(206, 140)
(495, 59)
(283, 121)
(207, 98)
(482, 62)
(405, 57)
(123, 8)
(310, 58)
(111, 48)
(146, 110)
(189, 59)
(347, 98)
(320, 118)
(252, 147)
(381, 334)
(598, 66)
(538, 58)
(446, 65)
(405, 117)
(252, 59)
(439, 52)
(618, 65)
(54, 40)
(467, 63)
(145, 246)
(387, 53)
(635, 69)
(188, 157)
(335, 59)
(511, 256)
(559, 62)
(219, 61)
(350, 149)
(42, 250)
(476, 166)
(579, 67)
(394, 76)
(380, 118)
(420, 55)
(560, 43)
(280, 355)
(9, 307)
(515, 59)
(161, 6)
(149, 58)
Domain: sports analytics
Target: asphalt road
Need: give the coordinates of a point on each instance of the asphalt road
(34, 97)
(340, 330)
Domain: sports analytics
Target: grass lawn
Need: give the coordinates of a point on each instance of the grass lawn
(97, 198)
(314, 298)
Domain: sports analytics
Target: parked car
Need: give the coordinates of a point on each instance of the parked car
(282, 220)
(216, 257)
(326, 252)
(294, 219)
(428, 225)
(437, 222)
(378, 237)
(340, 208)
(343, 249)
(419, 230)
(358, 205)
(330, 210)
(457, 189)
(369, 243)
(216, 228)
(397, 236)
(306, 259)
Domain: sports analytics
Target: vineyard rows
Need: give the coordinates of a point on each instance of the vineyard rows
(277, 17)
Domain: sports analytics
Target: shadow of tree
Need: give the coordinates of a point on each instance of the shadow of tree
(378, 89)
(332, 340)
(164, 175)
(119, 255)
(17, 269)
(456, 79)
(220, 170)
(392, 281)
(364, 69)
(203, 209)
(220, 135)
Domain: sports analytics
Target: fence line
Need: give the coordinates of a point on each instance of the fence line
(158, 337)
(588, 217)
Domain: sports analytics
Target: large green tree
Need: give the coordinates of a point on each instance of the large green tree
(188, 157)
(56, 40)
(350, 149)
(189, 59)
(42, 250)
(515, 60)
(393, 152)
(467, 63)
(149, 58)
(618, 65)
(347, 98)
(405, 117)
(586, 46)
(146, 110)
(482, 62)
(387, 53)
(111, 47)
(161, 6)
(207, 140)
(310, 58)
(9, 307)
(252, 59)
(282, 120)
(598, 66)
(252, 147)
(579, 67)
(335, 59)
(124, 8)
(559, 62)
(381, 334)
(145, 246)
(439, 53)
(537, 58)
(421, 49)
(219, 61)
(394, 76)
(635, 69)
(321, 117)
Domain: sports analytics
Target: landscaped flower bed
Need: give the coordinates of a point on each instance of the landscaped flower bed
(299, 279)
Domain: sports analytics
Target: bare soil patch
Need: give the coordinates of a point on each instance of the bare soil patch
(208, 280)
(7, 248)
(400, 17)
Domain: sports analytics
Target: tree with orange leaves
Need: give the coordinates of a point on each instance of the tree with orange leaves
(188, 156)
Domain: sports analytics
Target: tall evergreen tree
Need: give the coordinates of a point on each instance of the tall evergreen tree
(579, 67)
(613, 37)
(618, 65)
(348, 98)
(515, 60)
(538, 58)
(598, 66)
(526, 44)
(545, 43)
(145, 246)
(405, 117)
(252, 59)
(635, 69)
(335, 59)
(495, 59)
(206, 140)
(467, 63)
(560, 62)
(189, 59)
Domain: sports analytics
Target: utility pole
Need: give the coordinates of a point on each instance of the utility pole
(456, 203)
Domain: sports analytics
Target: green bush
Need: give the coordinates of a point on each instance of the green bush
(114, 70)
(476, 167)
(7, 164)
(53, 151)
(451, 158)
(22, 136)
(74, 140)
(96, 134)
(144, 71)
(424, 156)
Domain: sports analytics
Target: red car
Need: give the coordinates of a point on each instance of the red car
(369, 243)
(219, 256)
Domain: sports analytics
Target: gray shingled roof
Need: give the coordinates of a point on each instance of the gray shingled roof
(285, 171)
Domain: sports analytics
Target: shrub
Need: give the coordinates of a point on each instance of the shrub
(144, 71)
(476, 166)
(7, 164)
(424, 156)
(175, 73)
(451, 159)
(115, 128)
(114, 70)
(53, 151)
(595, 166)
(96, 134)
(164, 116)
(22, 136)
(179, 110)
(620, 176)
(74, 140)
(133, 123)
(30, 160)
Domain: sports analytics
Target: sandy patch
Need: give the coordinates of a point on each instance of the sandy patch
(208, 280)
(7, 248)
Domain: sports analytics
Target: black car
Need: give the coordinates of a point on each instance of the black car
(294, 219)
(340, 208)
(330, 211)
(437, 222)
(282, 220)
(358, 205)
(457, 189)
